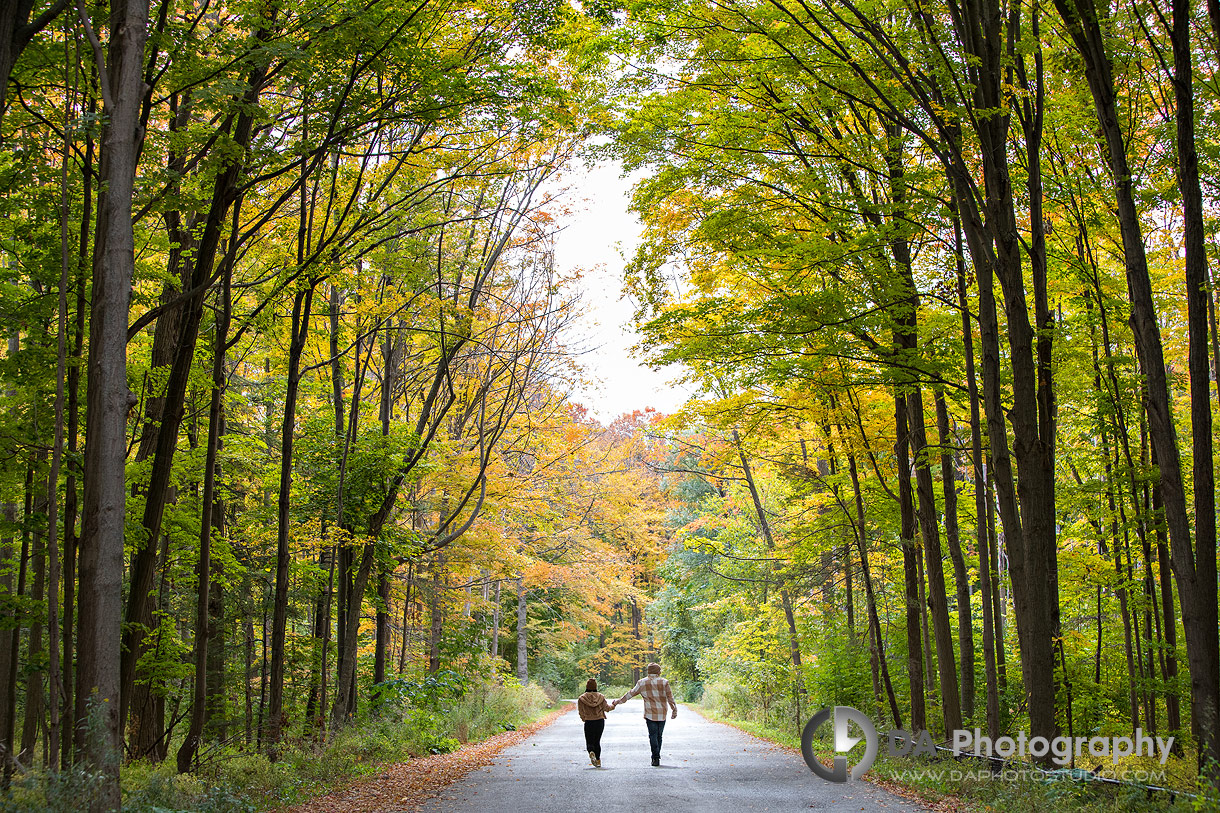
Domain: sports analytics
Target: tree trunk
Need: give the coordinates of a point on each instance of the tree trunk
(34, 697)
(1026, 495)
(495, 623)
(1203, 635)
(10, 696)
(224, 195)
(961, 576)
(301, 305)
(321, 636)
(199, 698)
(1173, 712)
(794, 646)
(382, 650)
(216, 721)
(8, 633)
(436, 612)
(987, 587)
(345, 689)
(73, 712)
(522, 633)
(910, 568)
(875, 639)
(934, 560)
(105, 493)
(1196, 576)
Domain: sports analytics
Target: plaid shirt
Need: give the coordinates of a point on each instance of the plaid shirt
(656, 693)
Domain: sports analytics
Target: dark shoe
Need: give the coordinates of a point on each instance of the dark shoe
(656, 762)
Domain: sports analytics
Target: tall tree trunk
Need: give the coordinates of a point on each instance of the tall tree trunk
(961, 576)
(1121, 587)
(495, 623)
(385, 410)
(216, 719)
(73, 712)
(522, 634)
(1026, 494)
(302, 303)
(934, 560)
(248, 658)
(321, 636)
(105, 497)
(794, 645)
(1195, 569)
(342, 553)
(987, 587)
(1031, 112)
(876, 640)
(10, 696)
(54, 674)
(999, 604)
(910, 568)
(914, 438)
(9, 634)
(1202, 624)
(33, 711)
(1173, 712)
(224, 195)
(199, 697)
(436, 612)
(382, 648)
(345, 689)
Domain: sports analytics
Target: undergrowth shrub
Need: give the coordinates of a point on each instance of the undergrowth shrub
(52, 791)
(413, 718)
(498, 707)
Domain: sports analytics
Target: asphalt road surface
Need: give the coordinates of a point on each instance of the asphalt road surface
(705, 766)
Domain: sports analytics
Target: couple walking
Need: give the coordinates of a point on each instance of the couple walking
(593, 706)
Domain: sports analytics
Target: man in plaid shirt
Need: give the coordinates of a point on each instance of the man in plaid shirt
(657, 694)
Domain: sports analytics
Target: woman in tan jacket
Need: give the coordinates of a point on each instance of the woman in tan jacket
(593, 706)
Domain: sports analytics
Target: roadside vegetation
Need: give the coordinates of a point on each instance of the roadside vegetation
(436, 715)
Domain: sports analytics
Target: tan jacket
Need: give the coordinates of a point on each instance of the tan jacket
(593, 706)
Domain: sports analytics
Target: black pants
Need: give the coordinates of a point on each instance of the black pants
(593, 736)
(655, 729)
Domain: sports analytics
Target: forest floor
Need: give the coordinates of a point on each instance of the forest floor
(406, 785)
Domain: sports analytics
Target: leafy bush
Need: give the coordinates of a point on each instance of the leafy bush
(432, 691)
(52, 791)
(498, 707)
(415, 717)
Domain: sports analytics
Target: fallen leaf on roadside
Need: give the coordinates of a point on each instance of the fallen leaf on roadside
(414, 782)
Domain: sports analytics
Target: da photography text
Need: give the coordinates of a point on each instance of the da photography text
(1062, 750)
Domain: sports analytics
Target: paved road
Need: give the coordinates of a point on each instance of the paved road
(705, 766)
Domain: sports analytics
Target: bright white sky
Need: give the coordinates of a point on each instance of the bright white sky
(598, 236)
